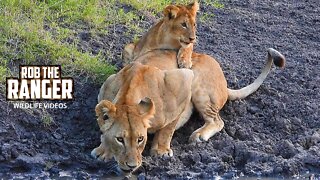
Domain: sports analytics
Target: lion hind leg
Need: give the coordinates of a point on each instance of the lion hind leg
(213, 124)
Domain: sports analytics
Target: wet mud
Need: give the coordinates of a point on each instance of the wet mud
(273, 133)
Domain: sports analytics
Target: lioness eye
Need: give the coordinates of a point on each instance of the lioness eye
(105, 117)
(140, 139)
(120, 140)
(184, 25)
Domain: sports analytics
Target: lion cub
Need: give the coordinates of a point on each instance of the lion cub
(175, 31)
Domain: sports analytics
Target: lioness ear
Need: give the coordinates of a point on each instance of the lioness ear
(171, 11)
(147, 110)
(194, 7)
(104, 110)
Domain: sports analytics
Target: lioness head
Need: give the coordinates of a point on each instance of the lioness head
(181, 21)
(125, 131)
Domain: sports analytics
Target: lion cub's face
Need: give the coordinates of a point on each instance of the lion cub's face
(181, 23)
(125, 131)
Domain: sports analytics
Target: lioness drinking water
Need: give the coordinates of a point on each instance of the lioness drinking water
(124, 130)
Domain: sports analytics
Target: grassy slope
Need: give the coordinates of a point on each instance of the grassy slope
(37, 32)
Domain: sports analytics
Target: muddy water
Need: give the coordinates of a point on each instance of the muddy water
(86, 175)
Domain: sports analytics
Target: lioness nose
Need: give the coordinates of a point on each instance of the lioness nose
(131, 166)
(192, 38)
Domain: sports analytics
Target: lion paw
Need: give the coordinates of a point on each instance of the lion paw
(196, 137)
(184, 63)
(100, 154)
(165, 152)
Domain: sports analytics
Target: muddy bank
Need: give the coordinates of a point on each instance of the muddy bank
(274, 132)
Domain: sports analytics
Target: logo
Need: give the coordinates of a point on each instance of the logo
(39, 83)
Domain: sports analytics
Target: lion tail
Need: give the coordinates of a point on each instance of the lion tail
(273, 57)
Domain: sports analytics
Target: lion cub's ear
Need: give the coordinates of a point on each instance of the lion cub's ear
(194, 7)
(171, 11)
(105, 111)
(147, 110)
(127, 53)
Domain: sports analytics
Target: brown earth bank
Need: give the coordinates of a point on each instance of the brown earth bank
(275, 132)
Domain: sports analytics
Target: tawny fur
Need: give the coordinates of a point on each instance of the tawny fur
(126, 99)
(209, 88)
(175, 31)
(209, 93)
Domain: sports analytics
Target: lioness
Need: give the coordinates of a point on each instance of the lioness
(175, 31)
(209, 94)
(147, 100)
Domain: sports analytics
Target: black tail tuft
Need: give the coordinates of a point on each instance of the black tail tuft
(278, 59)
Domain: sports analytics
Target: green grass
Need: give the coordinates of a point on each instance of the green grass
(205, 17)
(213, 3)
(34, 31)
(3, 69)
(46, 119)
(37, 32)
(154, 6)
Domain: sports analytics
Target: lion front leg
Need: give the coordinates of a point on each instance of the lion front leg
(162, 139)
(101, 152)
(184, 57)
